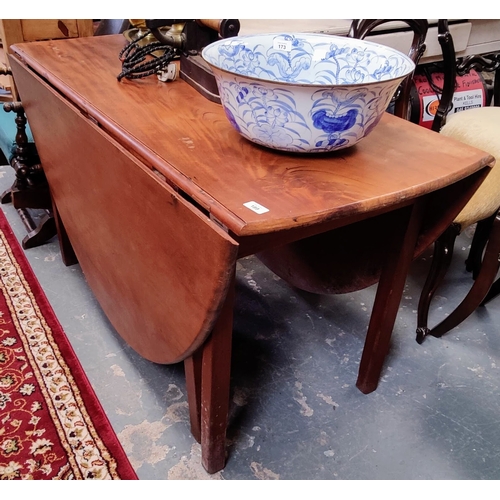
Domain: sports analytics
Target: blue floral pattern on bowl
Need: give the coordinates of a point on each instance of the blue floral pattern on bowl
(305, 92)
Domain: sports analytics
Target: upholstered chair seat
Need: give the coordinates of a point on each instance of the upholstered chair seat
(480, 128)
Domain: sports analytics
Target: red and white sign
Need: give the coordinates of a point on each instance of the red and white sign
(469, 93)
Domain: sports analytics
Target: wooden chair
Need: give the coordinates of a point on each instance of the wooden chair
(361, 28)
(478, 127)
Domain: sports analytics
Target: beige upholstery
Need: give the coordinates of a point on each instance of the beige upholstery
(479, 127)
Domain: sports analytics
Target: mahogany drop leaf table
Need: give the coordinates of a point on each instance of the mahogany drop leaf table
(156, 196)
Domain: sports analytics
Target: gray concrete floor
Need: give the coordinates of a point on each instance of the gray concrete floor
(295, 410)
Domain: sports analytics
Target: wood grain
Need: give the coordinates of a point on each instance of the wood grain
(139, 169)
(190, 141)
(148, 255)
(13, 31)
(45, 29)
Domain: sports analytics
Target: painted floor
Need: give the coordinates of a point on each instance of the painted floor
(295, 410)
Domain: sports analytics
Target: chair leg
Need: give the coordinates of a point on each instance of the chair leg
(30, 189)
(494, 291)
(443, 252)
(479, 241)
(481, 286)
(38, 233)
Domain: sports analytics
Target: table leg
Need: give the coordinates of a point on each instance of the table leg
(192, 368)
(208, 374)
(388, 297)
(68, 255)
(215, 385)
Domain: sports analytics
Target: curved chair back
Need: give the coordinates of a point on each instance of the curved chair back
(360, 28)
(480, 128)
(475, 127)
(452, 68)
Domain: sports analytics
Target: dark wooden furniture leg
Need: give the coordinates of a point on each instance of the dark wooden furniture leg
(30, 189)
(208, 374)
(479, 240)
(479, 290)
(494, 292)
(38, 232)
(68, 255)
(441, 260)
(388, 297)
(192, 368)
(215, 388)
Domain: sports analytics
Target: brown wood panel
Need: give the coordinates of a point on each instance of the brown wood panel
(85, 27)
(14, 31)
(10, 32)
(345, 259)
(5, 80)
(189, 140)
(45, 29)
(159, 268)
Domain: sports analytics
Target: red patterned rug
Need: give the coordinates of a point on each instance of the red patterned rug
(52, 425)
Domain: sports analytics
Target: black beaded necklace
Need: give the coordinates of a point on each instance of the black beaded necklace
(133, 57)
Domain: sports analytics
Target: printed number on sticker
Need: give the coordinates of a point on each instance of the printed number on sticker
(282, 45)
(255, 207)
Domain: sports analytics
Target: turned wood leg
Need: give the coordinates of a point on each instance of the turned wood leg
(479, 240)
(30, 189)
(215, 386)
(441, 259)
(482, 284)
(388, 297)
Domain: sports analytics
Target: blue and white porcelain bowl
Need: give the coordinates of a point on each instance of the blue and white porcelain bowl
(305, 92)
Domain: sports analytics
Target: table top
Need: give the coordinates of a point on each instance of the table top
(186, 138)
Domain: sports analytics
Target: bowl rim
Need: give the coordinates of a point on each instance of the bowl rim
(314, 35)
